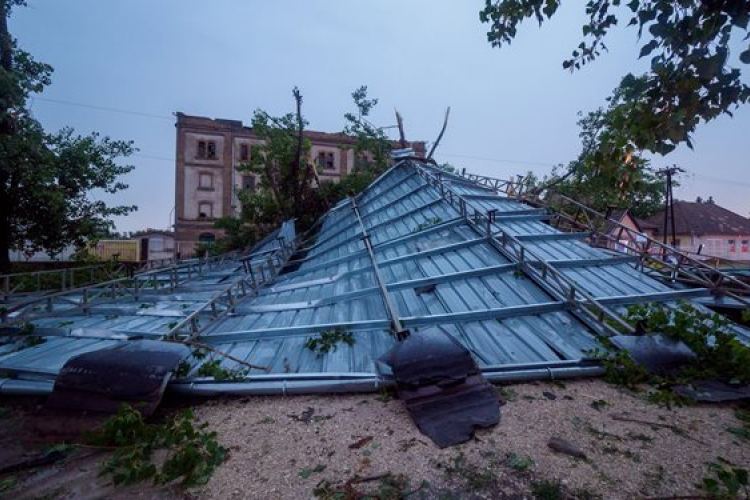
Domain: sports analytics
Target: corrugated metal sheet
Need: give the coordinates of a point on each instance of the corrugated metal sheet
(438, 270)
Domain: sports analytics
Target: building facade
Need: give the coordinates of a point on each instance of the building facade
(705, 229)
(207, 179)
(156, 245)
(621, 239)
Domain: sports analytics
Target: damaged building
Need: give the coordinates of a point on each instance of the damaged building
(458, 275)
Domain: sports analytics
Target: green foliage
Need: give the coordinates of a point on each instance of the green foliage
(306, 473)
(726, 482)
(274, 165)
(599, 404)
(214, 369)
(210, 368)
(689, 80)
(665, 397)
(547, 490)
(373, 147)
(620, 369)
(743, 415)
(388, 487)
(507, 393)
(720, 355)
(192, 454)
(27, 337)
(428, 223)
(8, 484)
(329, 341)
(46, 178)
(476, 478)
(519, 462)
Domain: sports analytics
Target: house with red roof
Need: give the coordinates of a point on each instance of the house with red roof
(704, 228)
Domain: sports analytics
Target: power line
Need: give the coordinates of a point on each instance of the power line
(450, 155)
(498, 160)
(710, 178)
(105, 108)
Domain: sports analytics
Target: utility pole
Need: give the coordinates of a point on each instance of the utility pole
(669, 172)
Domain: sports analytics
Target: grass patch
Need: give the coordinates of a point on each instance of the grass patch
(519, 462)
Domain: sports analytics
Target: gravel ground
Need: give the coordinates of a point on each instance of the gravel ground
(283, 447)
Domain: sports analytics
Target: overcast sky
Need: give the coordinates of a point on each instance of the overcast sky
(512, 109)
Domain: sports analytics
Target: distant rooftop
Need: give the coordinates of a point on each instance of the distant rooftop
(313, 135)
(701, 218)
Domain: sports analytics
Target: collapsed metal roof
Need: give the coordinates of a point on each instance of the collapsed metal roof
(424, 248)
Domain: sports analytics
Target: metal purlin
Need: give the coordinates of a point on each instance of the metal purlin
(594, 221)
(393, 315)
(567, 291)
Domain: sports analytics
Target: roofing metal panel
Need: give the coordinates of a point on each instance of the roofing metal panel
(436, 267)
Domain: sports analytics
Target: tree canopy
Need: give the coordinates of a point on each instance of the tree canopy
(691, 77)
(46, 179)
(288, 183)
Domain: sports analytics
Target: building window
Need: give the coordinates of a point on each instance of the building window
(244, 152)
(205, 210)
(206, 181)
(744, 246)
(156, 244)
(326, 160)
(207, 149)
(206, 238)
(248, 182)
(732, 246)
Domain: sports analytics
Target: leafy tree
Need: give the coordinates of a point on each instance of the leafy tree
(284, 173)
(46, 178)
(601, 178)
(690, 79)
(288, 184)
(373, 147)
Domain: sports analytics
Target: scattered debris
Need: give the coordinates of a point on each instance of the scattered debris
(442, 387)
(305, 416)
(677, 430)
(101, 381)
(549, 395)
(712, 391)
(560, 445)
(657, 353)
(360, 443)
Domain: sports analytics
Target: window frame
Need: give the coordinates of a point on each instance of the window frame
(210, 177)
(254, 183)
(203, 214)
(326, 160)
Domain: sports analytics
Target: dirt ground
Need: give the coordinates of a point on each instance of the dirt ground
(295, 447)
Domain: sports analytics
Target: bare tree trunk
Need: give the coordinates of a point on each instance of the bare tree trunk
(273, 180)
(294, 172)
(440, 135)
(401, 136)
